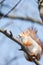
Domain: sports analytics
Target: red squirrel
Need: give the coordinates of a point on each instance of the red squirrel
(32, 43)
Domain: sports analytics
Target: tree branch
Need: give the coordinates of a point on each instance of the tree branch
(12, 8)
(20, 43)
(25, 18)
(2, 1)
(22, 18)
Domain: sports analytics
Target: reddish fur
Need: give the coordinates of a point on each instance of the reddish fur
(33, 34)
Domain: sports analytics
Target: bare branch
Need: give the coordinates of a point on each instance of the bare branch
(12, 8)
(2, 1)
(20, 43)
(23, 18)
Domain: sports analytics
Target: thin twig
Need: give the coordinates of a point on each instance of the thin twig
(2, 1)
(12, 8)
(1, 5)
(20, 43)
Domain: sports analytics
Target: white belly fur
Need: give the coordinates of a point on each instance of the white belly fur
(35, 47)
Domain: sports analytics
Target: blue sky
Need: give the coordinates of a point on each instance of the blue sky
(8, 48)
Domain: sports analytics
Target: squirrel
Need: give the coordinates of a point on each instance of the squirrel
(32, 43)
